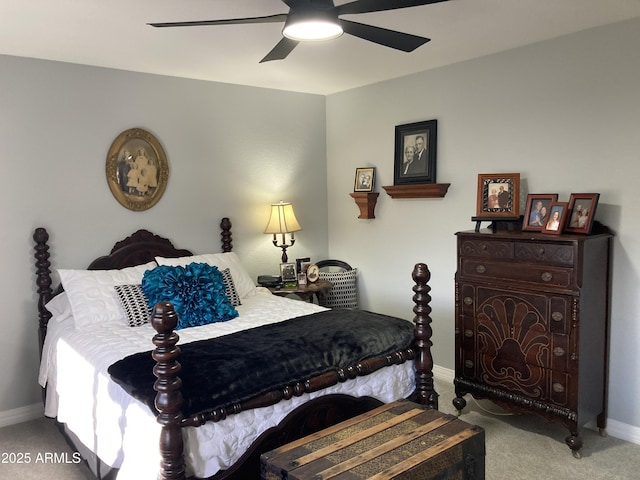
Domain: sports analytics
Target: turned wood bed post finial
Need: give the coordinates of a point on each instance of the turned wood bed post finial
(43, 280)
(225, 234)
(168, 396)
(425, 391)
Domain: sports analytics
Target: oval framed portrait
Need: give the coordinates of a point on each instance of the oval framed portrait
(313, 273)
(137, 169)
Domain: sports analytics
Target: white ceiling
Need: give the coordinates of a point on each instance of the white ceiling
(115, 34)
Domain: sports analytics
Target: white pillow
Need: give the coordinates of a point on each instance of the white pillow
(92, 296)
(241, 279)
(59, 306)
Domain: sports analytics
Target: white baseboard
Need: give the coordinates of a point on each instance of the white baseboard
(21, 414)
(623, 431)
(443, 374)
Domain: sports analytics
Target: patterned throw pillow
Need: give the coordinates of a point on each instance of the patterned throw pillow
(135, 304)
(344, 292)
(197, 292)
(230, 287)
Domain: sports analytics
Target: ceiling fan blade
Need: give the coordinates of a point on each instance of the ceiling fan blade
(382, 36)
(281, 50)
(321, 4)
(366, 6)
(281, 17)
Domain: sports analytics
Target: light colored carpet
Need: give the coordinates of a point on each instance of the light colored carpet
(49, 456)
(525, 447)
(518, 447)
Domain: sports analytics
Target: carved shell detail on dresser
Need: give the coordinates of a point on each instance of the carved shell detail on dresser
(512, 333)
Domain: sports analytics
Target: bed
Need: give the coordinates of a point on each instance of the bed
(170, 436)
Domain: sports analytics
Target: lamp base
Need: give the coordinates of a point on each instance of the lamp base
(284, 247)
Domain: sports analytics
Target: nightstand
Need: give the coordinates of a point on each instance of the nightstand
(306, 292)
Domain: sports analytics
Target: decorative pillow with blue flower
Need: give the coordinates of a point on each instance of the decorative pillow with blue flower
(197, 292)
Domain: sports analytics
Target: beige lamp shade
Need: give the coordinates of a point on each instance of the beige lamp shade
(282, 219)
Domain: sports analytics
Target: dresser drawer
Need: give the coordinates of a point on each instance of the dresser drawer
(516, 345)
(545, 253)
(538, 275)
(479, 303)
(502, 250)
(535, 383)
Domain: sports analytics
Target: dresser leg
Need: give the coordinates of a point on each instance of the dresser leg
(575, 444)
(459, 403)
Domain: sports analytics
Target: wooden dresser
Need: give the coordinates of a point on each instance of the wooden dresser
(532, 313)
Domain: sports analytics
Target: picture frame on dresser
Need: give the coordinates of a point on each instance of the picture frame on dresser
(582, 209)
(498, 195)
(557, 219)
(537, 211)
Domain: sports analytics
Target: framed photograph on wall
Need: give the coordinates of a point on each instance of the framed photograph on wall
(498, 195)
(582, 208)
(365, 178)
(415, 153)
(137, 169)
(557, 219)
(537, 210)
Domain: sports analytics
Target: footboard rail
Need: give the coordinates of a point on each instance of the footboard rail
(168, 399)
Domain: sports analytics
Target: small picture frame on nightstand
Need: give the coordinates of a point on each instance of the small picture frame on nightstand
(313, 273)
(288, 272)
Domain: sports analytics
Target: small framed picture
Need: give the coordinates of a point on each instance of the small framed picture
(364, 179)
(313, 273)
(498, 195)
(302, 264)
(557, 218)
(537, 211)
(582, 208)
(288, 272)
(415, 153)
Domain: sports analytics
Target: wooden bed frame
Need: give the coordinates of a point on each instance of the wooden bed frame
(142, 247)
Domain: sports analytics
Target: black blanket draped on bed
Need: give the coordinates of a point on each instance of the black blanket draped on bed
(219, 371)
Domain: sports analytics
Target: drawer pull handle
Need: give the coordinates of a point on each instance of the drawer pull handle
(481, 269)
(468, 333)
(546, 277)
(468, 301)
(468, 364)
(558, 388)
(558, 352)
(557, 316)
(540, 251)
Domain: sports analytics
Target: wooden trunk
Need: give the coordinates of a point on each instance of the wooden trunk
(400, 440)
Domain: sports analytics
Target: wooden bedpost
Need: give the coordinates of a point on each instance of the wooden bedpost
(168, 397)
(225, 234)
(425, 391)
(43, 281)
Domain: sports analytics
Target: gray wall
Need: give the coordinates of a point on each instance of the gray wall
(564, 113)
(232, 151)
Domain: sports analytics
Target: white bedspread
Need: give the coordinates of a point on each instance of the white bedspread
(123, 432)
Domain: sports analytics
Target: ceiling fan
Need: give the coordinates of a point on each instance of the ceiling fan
(321, 17)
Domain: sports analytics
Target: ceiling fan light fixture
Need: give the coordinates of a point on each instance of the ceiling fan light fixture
(311, 28)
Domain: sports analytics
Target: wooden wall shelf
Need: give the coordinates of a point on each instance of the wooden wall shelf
(418, 190)
(366, 202)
